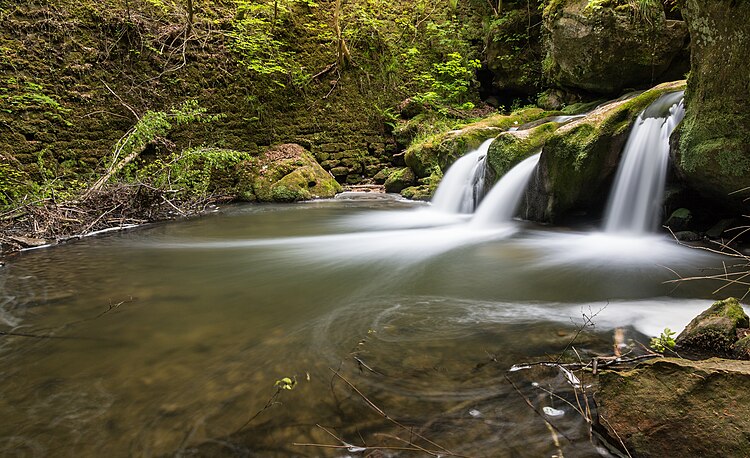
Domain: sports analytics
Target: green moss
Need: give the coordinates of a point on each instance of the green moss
(715, 329)
(288, 173)
(580, 157)
(509, 149)
(422, 192)
(399, 179)
(439, 151)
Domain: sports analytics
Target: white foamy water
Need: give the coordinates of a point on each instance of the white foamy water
(462, 186)
(637, 196)
(501, 203)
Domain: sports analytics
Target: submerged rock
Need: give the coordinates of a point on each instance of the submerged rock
(714, 147)
(605, 48)
(288, 173)
(715, 330)
(676, 407)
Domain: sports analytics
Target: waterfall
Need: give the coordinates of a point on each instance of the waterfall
(638, 193)
(463, 184)
(500, 204)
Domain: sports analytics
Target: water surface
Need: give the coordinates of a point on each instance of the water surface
(165, 340)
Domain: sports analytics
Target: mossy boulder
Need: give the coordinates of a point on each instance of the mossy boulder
(677, 407)
(608, 46)
(288, 173)
(510, 148)
(438, 152)
(579, 159)
(679, 220)
(399, 179)
(422, 192)
(714, 147)
(715, 330)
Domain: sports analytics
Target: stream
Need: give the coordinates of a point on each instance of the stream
(165, 340)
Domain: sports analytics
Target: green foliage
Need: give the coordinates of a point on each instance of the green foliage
(286, 383)
(449, 82)
(191, 173)
(256, 39)
(664, 342)
(13, 184)
(156, 124)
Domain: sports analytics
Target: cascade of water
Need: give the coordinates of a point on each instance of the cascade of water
(501, 202)
(637, 196)
(462, 186)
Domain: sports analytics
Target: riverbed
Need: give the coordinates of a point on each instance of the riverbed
(167, 339)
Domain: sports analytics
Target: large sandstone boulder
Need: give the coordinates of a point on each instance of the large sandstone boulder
(579, 160)
(714, 147)
(606, 47)
(677, 407)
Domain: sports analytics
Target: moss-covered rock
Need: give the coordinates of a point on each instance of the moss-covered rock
(440, 151)
(579, 160)
(288, 173)
(399, 179)
(714, 147)
(715, 330)
(422, 192)
(607, 46)
(676, 407)
(510, 148)
(679, 220)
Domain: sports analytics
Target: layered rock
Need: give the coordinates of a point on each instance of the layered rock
(606, 47)
(714, 146)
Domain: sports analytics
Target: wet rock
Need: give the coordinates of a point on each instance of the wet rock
(687, 236)
(677, 407)
(579, 159)
(604, 49)
(714, 331)
(680, 220)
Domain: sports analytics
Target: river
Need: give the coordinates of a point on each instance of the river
(166, 339)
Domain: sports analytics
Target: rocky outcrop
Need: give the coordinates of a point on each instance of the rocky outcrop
(605, 48)
(288, 173)
(430, 158)
(676, 407)
(579, 160)
(714, 147)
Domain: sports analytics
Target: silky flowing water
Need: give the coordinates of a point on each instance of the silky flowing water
(166, 339)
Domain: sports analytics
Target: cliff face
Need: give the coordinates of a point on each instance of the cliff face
(714, 148)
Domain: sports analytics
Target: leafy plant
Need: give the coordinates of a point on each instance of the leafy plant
(664, 342)
(286, 383)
